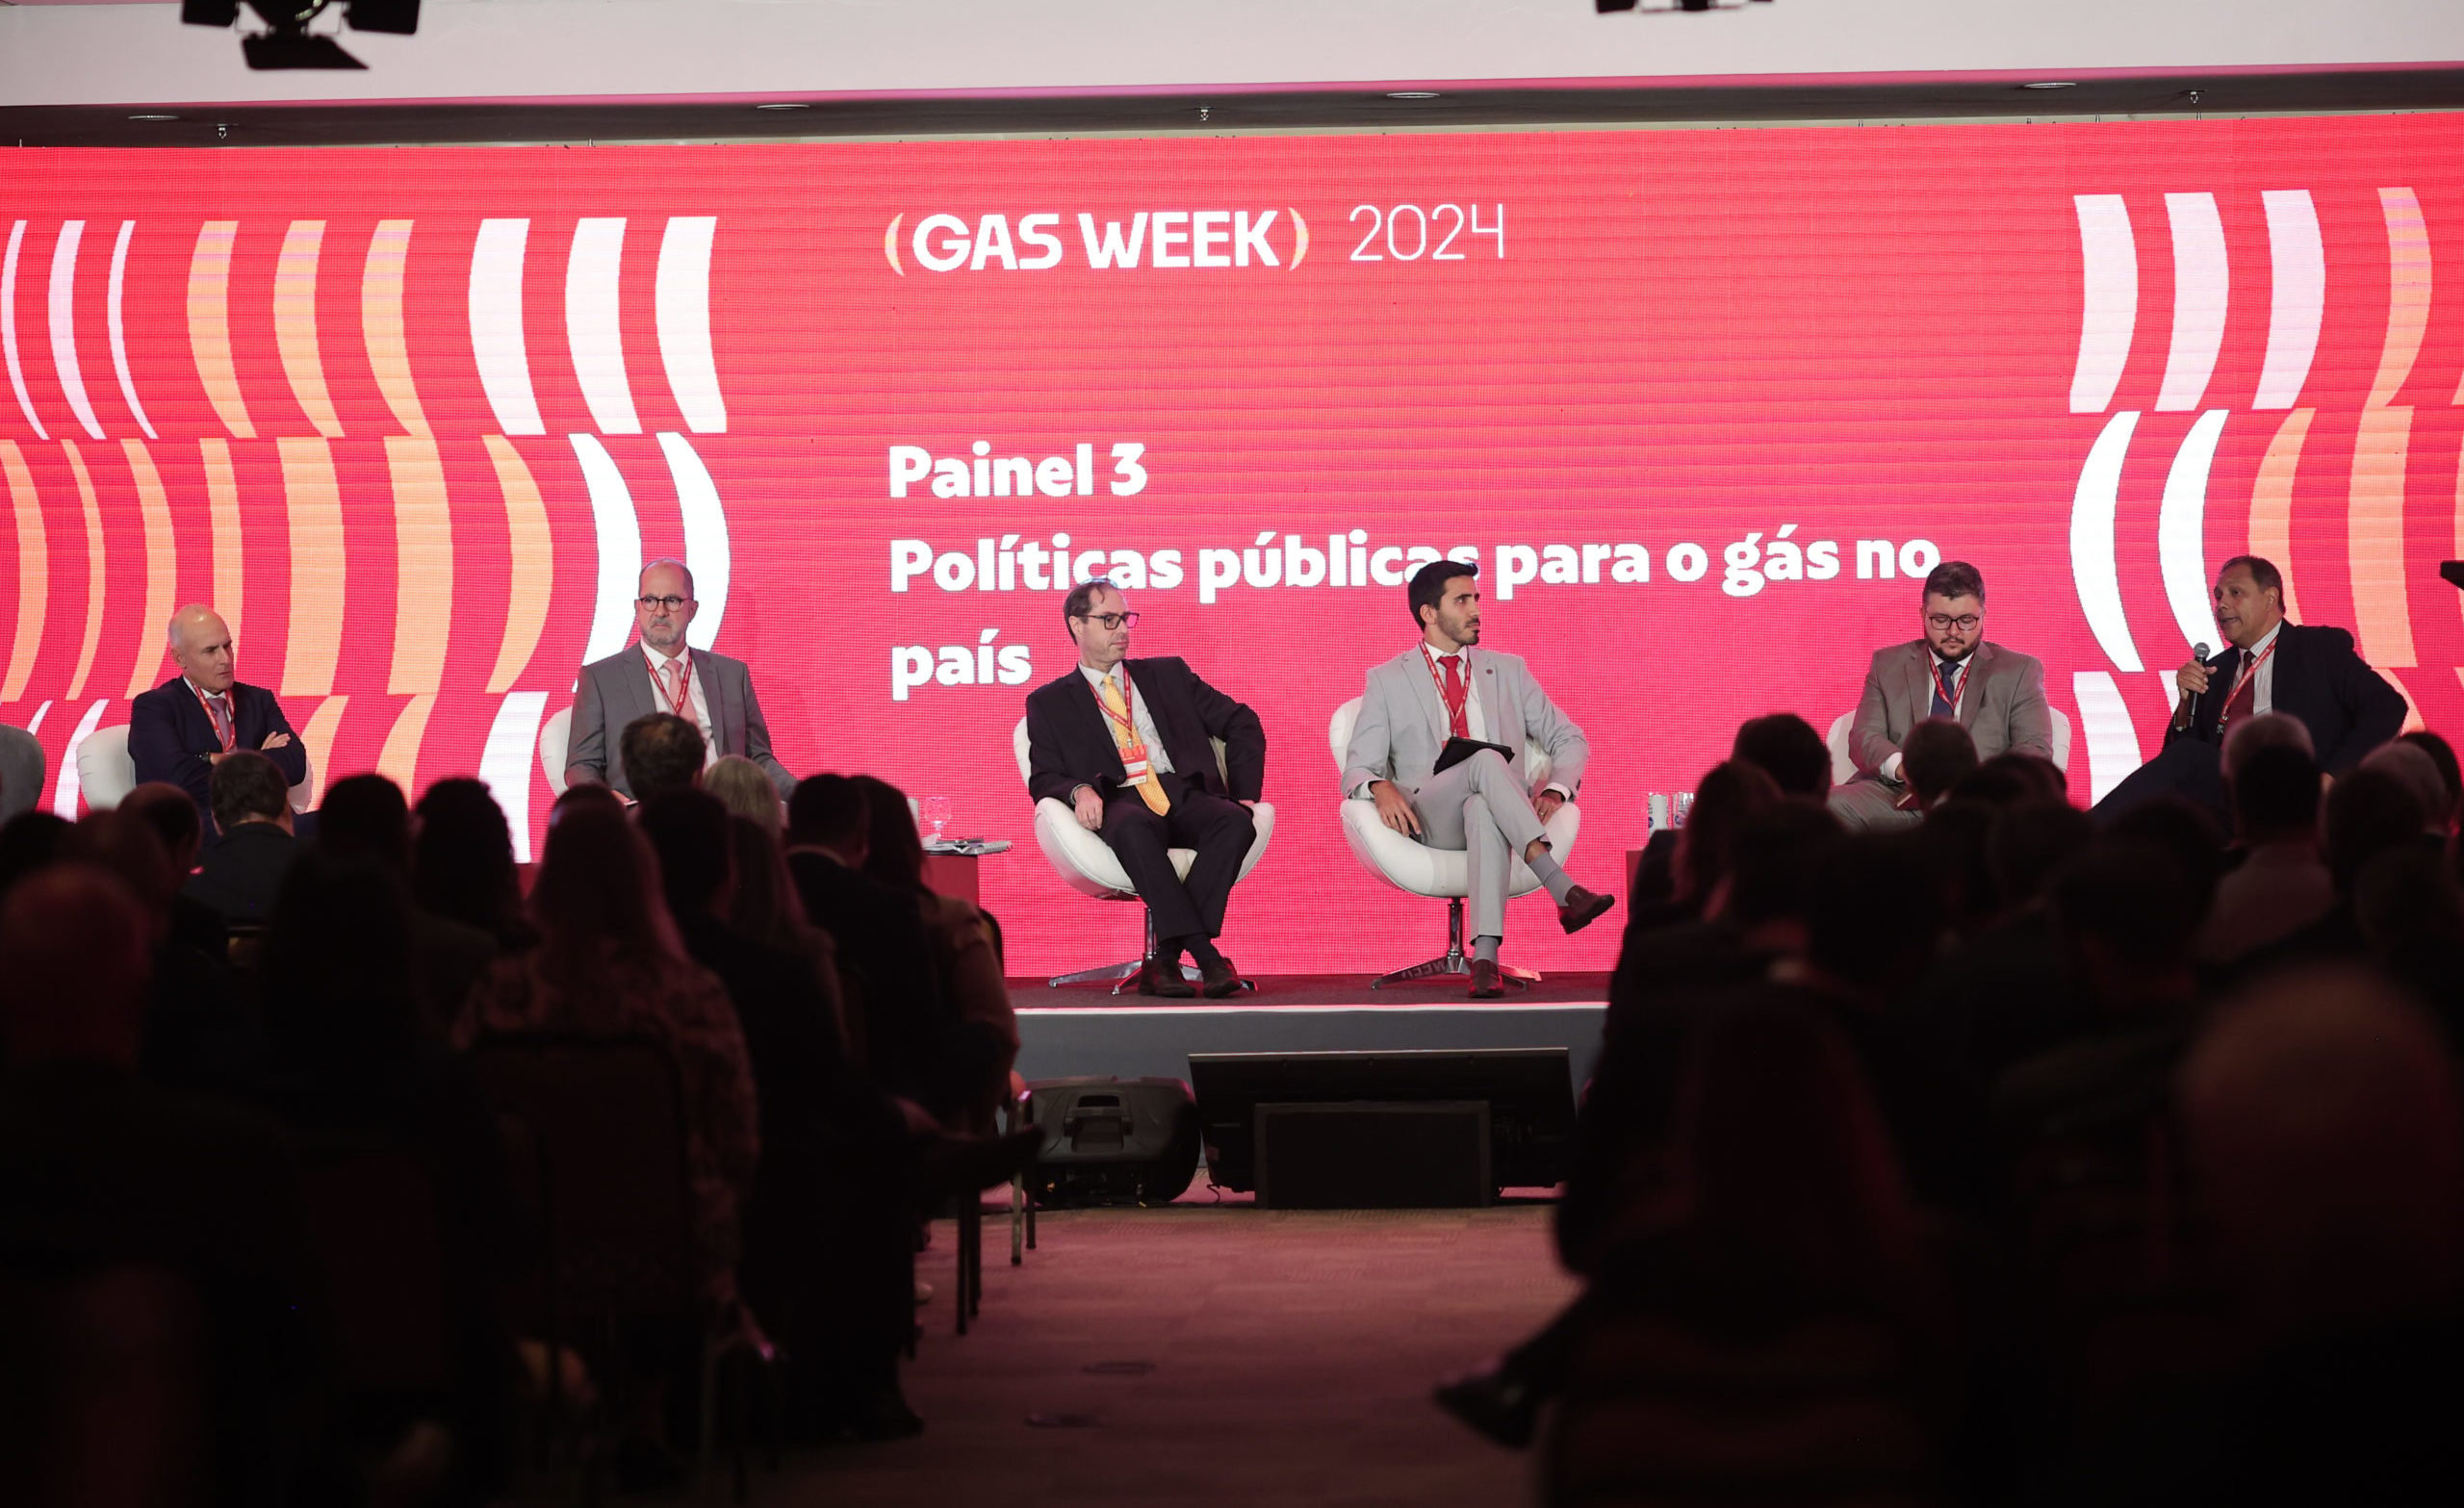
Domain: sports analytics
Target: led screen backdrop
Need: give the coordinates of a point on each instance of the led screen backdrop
(1701, 403)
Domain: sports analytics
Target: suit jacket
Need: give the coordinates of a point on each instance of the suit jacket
(2002, 706)
(2314, 675)
(1402, 724)
(172, 738)
(1070, 743)
(242, 876)
(615, 691)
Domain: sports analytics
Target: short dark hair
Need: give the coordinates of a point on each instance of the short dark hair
(2442, 753)
(2031, 842)
(2130, 894)
(2368, 812)
(829, 811)
(171, 813)
(1776, 848)
(1937, 755)
(662, 752)
(2263, 574)
(1789, 752)
(364, 817)
(688, 830)
(245, 784)
(1955, 578)
(1427, 587)
(1082, 597)
(2276, 793)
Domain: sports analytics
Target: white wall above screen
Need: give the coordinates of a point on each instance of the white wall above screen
(106, 54)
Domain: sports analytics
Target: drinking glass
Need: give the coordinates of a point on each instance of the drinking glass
(937, 816)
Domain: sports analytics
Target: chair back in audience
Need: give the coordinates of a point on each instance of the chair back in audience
(372, 1220)
(1824, 1412)
(608, 1115)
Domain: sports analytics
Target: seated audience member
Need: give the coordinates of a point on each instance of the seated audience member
(352, 1066)
(173, 817)
(2126, 914)
(662, 752)
(2413, 765)
(2282, 885)
(243, 874)
(199, 1032)
(462, 864)
(1938, 754)
(2450, 780)
(584, 798)
(1728, 797)
(183, 729)
(608, 963)
(2367, 813)
(2409, 909)
(2327, 1149)
(99, 1168)
(1788, 749)
(762, 904)
(30, 841)
(2187, 831)
(746, 790)
(364, 819)
(2009, 778)
(966, 951)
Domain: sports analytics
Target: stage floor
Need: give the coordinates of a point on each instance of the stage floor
(1086, 1029)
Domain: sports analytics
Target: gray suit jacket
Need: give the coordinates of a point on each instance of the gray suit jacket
(1403, 723)
(616, 690)
(2002, 706)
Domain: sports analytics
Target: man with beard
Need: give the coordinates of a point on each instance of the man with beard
(1996, 693)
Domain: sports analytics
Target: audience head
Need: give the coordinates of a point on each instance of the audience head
(249, 788)
(2269, 730)
(746, 790)
(831, 811)
(1777, 849)
(1100, 621)
(2030, 843)
(587, 796)
(364, 817)
(764, 905)
(598, 897)
(662, 752)
(337, 963)
(1999, 781)
(1960, 832)
(462, 860)
(2128, 914)
(688, 830)
(2442, 754)
(1874, 912)
(2406, 895)
(664, 607)
(1938, 755)
(2419, 772)
(125, 844)
(1954, 609)
(75, 951)
(172, 815)
(2187, 832)
(2328, 1148)
(2248, 599)
(2369, 811)
(200, 644)
(1786, 749)
(893, 850)
(30, 841)
(1728, 793)
(2275, 796)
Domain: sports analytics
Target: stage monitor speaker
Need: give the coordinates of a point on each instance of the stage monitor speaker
(1110, 1140)
(1390, 1155)
(1528, 1090)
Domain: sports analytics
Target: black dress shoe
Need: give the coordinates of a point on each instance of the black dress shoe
(1485, 984)
(1496, 1403)
(1582, 907)
(1162, 977)
(1220, 980)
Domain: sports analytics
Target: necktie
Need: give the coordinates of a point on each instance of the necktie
(1125, 738)
(1458, 698)
(1945, 675)
(2246, 695)
(672, 672)
(221, 707)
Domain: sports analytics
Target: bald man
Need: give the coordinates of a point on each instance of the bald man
(180, 730)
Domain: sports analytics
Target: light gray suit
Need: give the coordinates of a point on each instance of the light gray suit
(616, 690)
(2002, 706)
(1483, 805)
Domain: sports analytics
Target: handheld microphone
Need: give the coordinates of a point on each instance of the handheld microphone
(2181, 714)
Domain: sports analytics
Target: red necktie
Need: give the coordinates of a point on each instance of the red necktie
(1458, 698)
(221, 710)
(2246, 698)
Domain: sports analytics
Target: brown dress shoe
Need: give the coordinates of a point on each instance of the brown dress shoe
(1162, 977)
(1584, 907)
(1220, 980)
(1485, 983)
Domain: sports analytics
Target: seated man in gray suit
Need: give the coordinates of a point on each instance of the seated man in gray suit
(663, 675)
(1996, 694)
(1436, 690)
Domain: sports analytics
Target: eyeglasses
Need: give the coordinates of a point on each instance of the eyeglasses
(1108, 622)
(661, 603)
(1965, 624)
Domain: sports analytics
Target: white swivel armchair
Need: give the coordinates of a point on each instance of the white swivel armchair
(555, 738)
(1087, 864)
(1414, 867)
(1844, 767)
(106, 774)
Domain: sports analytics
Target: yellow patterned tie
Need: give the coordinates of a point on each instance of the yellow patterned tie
(1125, 738)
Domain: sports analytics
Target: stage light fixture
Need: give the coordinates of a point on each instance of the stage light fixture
(1606, 6)
(1411, 94)
(287, 42)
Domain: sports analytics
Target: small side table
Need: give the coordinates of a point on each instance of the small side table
(955, 873)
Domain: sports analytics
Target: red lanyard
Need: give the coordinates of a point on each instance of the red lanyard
(2248, 672)
(227, 728)
(681, 700)
(1455, 701)
(1134, 746)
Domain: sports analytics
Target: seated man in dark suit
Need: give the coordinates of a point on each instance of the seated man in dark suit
(1125, 744)
(2267, 665)
(243, 874)
(179, 731)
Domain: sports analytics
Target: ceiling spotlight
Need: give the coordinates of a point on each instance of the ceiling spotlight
(287, 42)
(784, 104)
(1606, 6)
(153, 117)
(1411, 94)
(2050, 83)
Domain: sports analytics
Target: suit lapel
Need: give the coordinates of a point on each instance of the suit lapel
(717, 688)
(1918, 679)
(1432, 705)
(1972, 694)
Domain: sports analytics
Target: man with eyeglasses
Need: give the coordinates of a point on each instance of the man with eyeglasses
(664, 673)
(1996, 694)
(1123, 744)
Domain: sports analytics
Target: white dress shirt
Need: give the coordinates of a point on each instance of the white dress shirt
(2263, 679)
(1156, 759)
(1953, 671)
(658, 664)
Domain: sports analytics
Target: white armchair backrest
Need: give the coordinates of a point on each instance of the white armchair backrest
(1026, 766)
(1535, 759)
